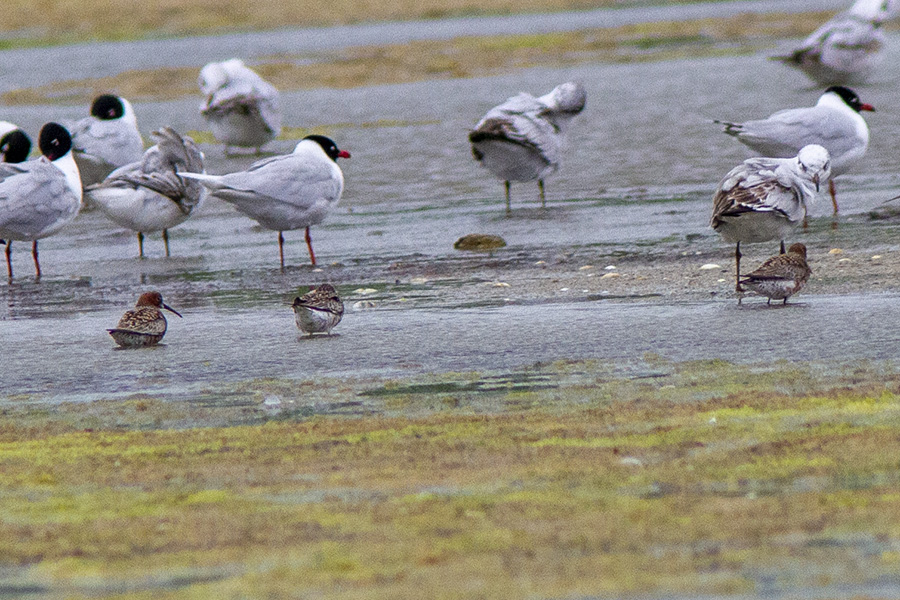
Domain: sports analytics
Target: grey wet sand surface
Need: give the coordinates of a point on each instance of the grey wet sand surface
(634, 192)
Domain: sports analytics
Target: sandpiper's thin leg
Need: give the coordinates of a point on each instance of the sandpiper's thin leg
(140, 245)
(281, 249)
(543, 197)
(782, 246)
(737, 268)
(37, 263)
(508, 207)
(166, 241)
(312, 255)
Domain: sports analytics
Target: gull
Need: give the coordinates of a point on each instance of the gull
(150, 195)
(15, 145)
(834, 123)
(523, 138)
(780, 276)
(318, 310)
(107, 139)
(145, 325)
(763, 199)
(846, 48)
(241, 107)
(39, 197)
(286, 192)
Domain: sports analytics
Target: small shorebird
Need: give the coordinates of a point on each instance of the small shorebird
(285, 192)
(107, 139)
(145, 325)
(763, 199)
(834, 123)
(150, 195)
(15, 145)
(240, 107)
(780, 276)
(319, 310)
(846, 48)
(39, 197)
(523, 138)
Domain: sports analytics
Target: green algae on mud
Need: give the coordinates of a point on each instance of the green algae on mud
(563, 479)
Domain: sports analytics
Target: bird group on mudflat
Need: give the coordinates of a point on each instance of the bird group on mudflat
(100, 161)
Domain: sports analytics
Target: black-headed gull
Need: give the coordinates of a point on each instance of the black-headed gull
(523, 138)
(241, 107)
(763, 199)
(846, 48)
(285, 192)
(39, 197)
(15, 145)
(780, 276)
(834, 122)
(319, 310)
(107, 139)
(150, 195)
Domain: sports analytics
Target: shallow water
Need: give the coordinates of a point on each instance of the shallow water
(215, 347)
(643, 162)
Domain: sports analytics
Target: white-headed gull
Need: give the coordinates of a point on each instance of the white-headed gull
(523, 138)
(834, 122)
(15, 145)
(150, 195)
(846, 48)
(241, 107)
(763, 199)
(107, 139)
(39, 197)
(285, 192)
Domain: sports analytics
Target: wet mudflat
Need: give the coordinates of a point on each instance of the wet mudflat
(486, 418)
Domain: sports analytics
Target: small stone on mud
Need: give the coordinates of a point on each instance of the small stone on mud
(363, 305)
(479, 242)
(835, 251)
(608, 275)
(710, 267)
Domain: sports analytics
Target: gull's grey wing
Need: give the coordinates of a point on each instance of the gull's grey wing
(32, 196)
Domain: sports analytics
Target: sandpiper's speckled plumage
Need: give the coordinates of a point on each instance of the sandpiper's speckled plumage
(780, 276)
(319, 310)
(145, 325)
